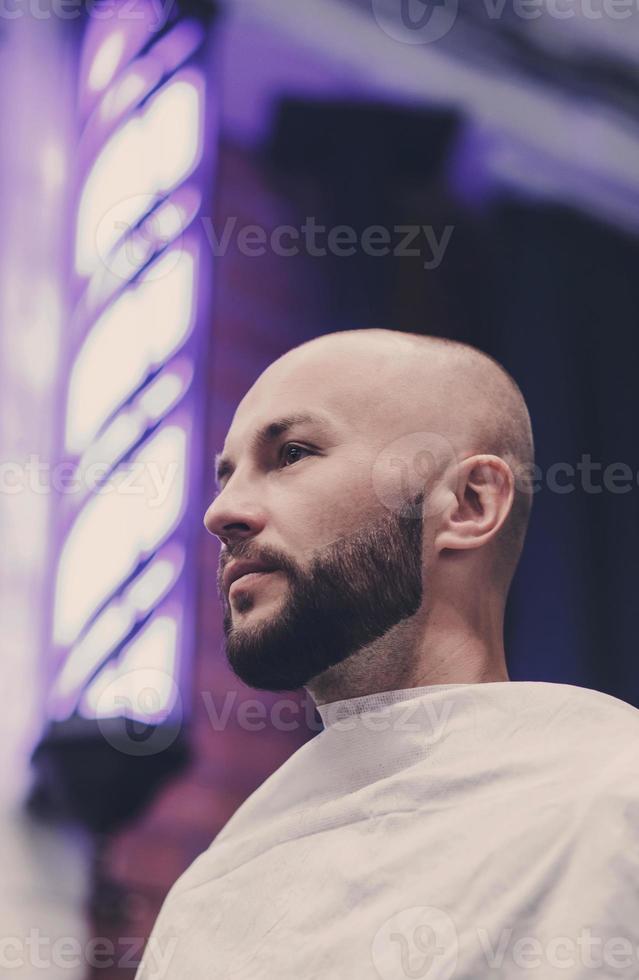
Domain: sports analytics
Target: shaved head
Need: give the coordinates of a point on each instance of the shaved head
(382, 482)
(483, 402)
(420, 382)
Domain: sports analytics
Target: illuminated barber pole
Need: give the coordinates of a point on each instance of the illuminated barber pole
(133, 407)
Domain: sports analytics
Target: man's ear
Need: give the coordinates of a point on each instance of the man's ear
(480, 502)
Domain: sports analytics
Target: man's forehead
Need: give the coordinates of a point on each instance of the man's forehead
(334, 366)
(294, 386)
(366, 390)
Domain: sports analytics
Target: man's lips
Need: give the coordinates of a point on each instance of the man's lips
(237, 569)
(250, 578)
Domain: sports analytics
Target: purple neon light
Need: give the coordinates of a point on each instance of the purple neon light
(154, 404)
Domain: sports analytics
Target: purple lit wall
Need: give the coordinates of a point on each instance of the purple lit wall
(33, 163)
(44, 869)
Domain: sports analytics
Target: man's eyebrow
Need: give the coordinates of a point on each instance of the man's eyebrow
(224, 466)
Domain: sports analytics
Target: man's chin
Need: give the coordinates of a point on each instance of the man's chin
(247, 612)
(253, 625)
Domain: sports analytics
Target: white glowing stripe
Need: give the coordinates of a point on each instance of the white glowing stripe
(149, 321)
(106, 61)
(149, 155)
(125, 430)
(162, 394)
(157, 231)
(141, 684)
(124, 95)
(111, 627)
(162, 463)
(163, 58)
(124, 522)
(130, 424)
(149, 588)
(169, 221)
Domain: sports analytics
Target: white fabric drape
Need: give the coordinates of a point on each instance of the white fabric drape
(454, 831)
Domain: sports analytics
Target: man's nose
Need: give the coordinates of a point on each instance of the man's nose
(231, 518)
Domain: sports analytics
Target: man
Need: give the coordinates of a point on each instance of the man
(447, 822)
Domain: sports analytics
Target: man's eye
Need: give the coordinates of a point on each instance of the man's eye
(289, 453)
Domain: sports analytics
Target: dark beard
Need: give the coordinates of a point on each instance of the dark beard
(354, 591)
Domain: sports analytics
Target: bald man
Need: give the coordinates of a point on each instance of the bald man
(374, 493)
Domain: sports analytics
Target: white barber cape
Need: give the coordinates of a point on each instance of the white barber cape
(455, 831)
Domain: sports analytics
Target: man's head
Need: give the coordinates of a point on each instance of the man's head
(381, 476)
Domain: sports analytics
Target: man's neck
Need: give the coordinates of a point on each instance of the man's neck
(442, 649)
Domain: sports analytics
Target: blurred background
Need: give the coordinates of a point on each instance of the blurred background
(187, 190)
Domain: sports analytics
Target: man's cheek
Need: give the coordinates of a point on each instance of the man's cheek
(341, 518)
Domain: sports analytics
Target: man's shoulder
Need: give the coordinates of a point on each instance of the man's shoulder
(592, 724)
(581, 707)
(603, 735)
(284, 789)
(574, 745)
